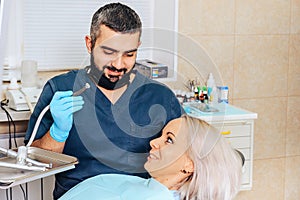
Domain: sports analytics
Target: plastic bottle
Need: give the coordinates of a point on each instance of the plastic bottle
(205, 97)
(196, 93)
(201, 96)
(192, 96)
(213, 97)
(180, 96)
(212, 89)
(210, 83)
(223, 94)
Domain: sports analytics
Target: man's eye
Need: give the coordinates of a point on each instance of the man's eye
(108, 52)
(169, 140)
(129, 54)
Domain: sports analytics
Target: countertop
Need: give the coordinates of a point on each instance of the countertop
(225, 112)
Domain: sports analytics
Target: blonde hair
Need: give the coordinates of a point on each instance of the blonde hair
(217, 166)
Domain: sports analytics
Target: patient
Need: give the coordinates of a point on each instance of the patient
(190, 161)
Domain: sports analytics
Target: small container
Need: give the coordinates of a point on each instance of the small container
(29, 73)
(205, 97)
(196, 94)
(223, 94)
(213, 97)
(192, 96)
(188, 97)
(180, 96)
(201, 96)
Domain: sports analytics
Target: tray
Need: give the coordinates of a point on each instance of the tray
(200, 107)
(10, 177)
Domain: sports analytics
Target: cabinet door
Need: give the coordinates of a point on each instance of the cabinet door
(246, 173)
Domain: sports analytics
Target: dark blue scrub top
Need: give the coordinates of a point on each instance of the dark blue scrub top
(105, 137)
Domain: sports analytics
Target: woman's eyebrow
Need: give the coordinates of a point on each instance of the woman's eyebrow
(170, 133)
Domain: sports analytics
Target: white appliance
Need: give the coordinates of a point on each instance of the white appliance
(23, 99)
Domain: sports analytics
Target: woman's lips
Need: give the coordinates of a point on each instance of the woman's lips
(152, 156)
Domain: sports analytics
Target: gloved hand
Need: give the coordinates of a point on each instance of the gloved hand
(62, 107)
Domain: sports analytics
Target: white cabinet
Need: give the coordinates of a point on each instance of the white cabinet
(237, 126)
(240, 136)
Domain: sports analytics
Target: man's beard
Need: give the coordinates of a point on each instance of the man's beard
(99, 77)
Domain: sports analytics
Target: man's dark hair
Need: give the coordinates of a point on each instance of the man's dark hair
(116, 16)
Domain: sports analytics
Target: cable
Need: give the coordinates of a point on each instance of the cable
(28, 102)
(37, 123)
(42, 189)
(7, 197)
(23, 191)
(9, 120)
(26, 189)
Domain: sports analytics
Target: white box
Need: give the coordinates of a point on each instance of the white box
(152, 69)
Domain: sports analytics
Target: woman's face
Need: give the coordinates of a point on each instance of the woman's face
(168, 155)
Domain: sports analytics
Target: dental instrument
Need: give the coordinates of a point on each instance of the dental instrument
(78, 92)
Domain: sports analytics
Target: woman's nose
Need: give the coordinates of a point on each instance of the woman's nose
(154, 143)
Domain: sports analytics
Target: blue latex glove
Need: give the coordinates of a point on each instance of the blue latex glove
(62, 107)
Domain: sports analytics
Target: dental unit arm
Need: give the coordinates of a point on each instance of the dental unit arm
(22, 161)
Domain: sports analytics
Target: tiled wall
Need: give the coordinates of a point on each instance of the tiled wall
(255, 46)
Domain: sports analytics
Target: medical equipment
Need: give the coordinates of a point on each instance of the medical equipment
(152, 69)
(23, 99)
(23, 162)
(12, 174)
(30, 163)
(78, 92)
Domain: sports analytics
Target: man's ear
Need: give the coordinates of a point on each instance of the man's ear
(88, 43)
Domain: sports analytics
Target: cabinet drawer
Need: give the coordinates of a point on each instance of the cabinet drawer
(234, 130)
(239, 142)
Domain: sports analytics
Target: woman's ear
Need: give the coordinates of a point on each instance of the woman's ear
(189, 165)
(88, 43)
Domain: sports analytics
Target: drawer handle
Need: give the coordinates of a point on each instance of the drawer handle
(226, 132)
